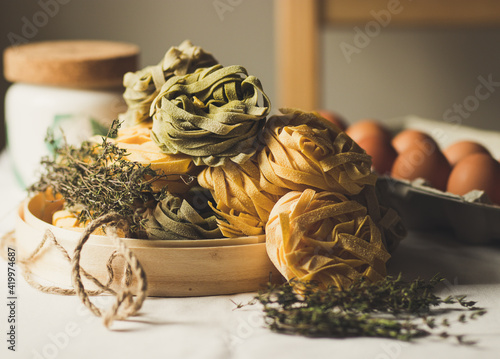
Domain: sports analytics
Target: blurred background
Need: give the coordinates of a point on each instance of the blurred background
(417, 71)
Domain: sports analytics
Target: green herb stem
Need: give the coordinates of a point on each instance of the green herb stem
(387, 309)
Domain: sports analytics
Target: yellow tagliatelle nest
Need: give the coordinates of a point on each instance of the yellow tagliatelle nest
(142, 149)
(304, 151)
(299, 151)
(324, 237)
(239, 197)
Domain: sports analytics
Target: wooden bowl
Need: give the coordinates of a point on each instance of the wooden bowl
(173, 268)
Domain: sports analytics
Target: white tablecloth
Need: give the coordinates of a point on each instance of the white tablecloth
(53, 326)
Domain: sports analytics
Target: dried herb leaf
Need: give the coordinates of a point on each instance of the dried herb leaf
(95, 179)
(388, 308)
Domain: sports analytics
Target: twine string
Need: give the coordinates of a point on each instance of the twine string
(124, 304)
(50, 239)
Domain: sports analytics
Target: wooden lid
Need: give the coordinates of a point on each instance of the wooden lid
(80, 63)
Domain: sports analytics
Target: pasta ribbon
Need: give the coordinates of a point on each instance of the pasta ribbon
(324, 237)
(69, 220)
(211, 115)
(141, 148)
(239, 198)
(174, 218)
(141, 87)
(303, 150)
(236, 224)
(387, 219)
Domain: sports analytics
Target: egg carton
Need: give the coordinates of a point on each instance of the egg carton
(472, 218)
(447, 133)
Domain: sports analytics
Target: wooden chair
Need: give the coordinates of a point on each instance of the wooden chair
(298, 23)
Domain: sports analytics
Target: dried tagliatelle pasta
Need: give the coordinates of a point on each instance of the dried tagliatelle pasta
(141, 87)
(212, 115)
(69, 220)
(303, 150)
(387, 219)
(238, 197)
(173, 169)
(174, 218)
(324, 237)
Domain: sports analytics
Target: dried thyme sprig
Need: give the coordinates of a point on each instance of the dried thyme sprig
(95, 179)
(389, 308)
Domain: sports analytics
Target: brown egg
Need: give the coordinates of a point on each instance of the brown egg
(382, 152)
(368, 128)
(478, 171)
(333, 117)
(459, 150)
(409, 138)
(422, 161)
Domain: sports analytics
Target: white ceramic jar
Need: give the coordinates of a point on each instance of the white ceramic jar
(70, 87)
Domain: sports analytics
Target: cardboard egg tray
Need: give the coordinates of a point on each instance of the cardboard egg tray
(471, 217)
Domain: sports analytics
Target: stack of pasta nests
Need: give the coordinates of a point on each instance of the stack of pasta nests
(294, 176)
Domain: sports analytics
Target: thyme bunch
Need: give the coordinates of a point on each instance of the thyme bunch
(391, 308)
(95, 179)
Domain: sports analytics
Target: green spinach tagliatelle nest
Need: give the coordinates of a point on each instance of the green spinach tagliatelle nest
(212, 115)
